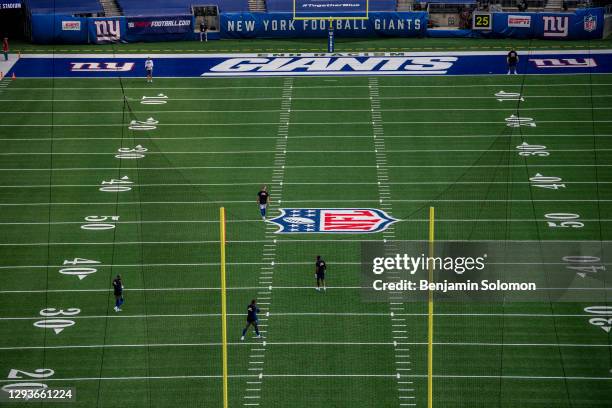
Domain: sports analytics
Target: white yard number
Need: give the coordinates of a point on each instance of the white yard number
(116, 186)
(584, 264)
(76, 269)
(136, 153)
(58, 325)
(604, 319)
(99, 223)
(38, 373)
(160, 99)
(525, 149)
(546, 182)
(564, 220)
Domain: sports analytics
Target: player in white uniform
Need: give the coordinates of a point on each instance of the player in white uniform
(149, 69)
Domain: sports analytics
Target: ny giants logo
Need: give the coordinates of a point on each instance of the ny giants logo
(332, 220)
(108, 30)
(556, 26)
(564, 62)
(101, 67)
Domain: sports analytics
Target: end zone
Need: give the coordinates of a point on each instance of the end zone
(313, 64)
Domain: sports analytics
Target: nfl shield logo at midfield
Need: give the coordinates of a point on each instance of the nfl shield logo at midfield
(332, 220)
(590, 23)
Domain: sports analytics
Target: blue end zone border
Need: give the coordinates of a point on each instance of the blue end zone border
(310, 64)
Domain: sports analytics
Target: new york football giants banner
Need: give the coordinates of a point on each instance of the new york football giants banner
(332, 220)
(172, 28)
(283, 25)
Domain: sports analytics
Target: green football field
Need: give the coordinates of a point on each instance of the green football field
(73, 215)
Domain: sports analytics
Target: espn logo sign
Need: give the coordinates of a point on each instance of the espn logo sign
(555, 26)
(108, 30)
(71, 26)
(564, 62)
(519, 21)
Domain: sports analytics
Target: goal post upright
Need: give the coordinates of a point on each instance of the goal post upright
(331, 36)
(430, 312)
(222, 239)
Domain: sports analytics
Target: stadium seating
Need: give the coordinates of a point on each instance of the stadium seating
(169, 7)
(65, 6)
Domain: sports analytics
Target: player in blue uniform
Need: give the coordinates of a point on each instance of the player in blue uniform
(252, 311)
(263, 199)
(320, 268)
(118, 291)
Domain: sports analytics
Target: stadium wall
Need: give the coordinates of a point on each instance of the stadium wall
(583, 24)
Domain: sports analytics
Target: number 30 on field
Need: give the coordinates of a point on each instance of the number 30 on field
(564, 220)
(605, 317)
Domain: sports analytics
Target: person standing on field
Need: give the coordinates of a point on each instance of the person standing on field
(512, 59)
(5, 48)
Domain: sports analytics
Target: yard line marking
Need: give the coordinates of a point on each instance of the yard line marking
(251, 288)
(322, 166)
(288, 240)
(285, 375)
(414, 220)
(259, 111)
(384, 186)
(313, 98)
(241, 137)
(250, 202)
(314, 344)
(255, 152)
(344, 123)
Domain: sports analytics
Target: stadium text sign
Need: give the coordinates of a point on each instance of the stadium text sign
(333, 65)
(332, 220)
